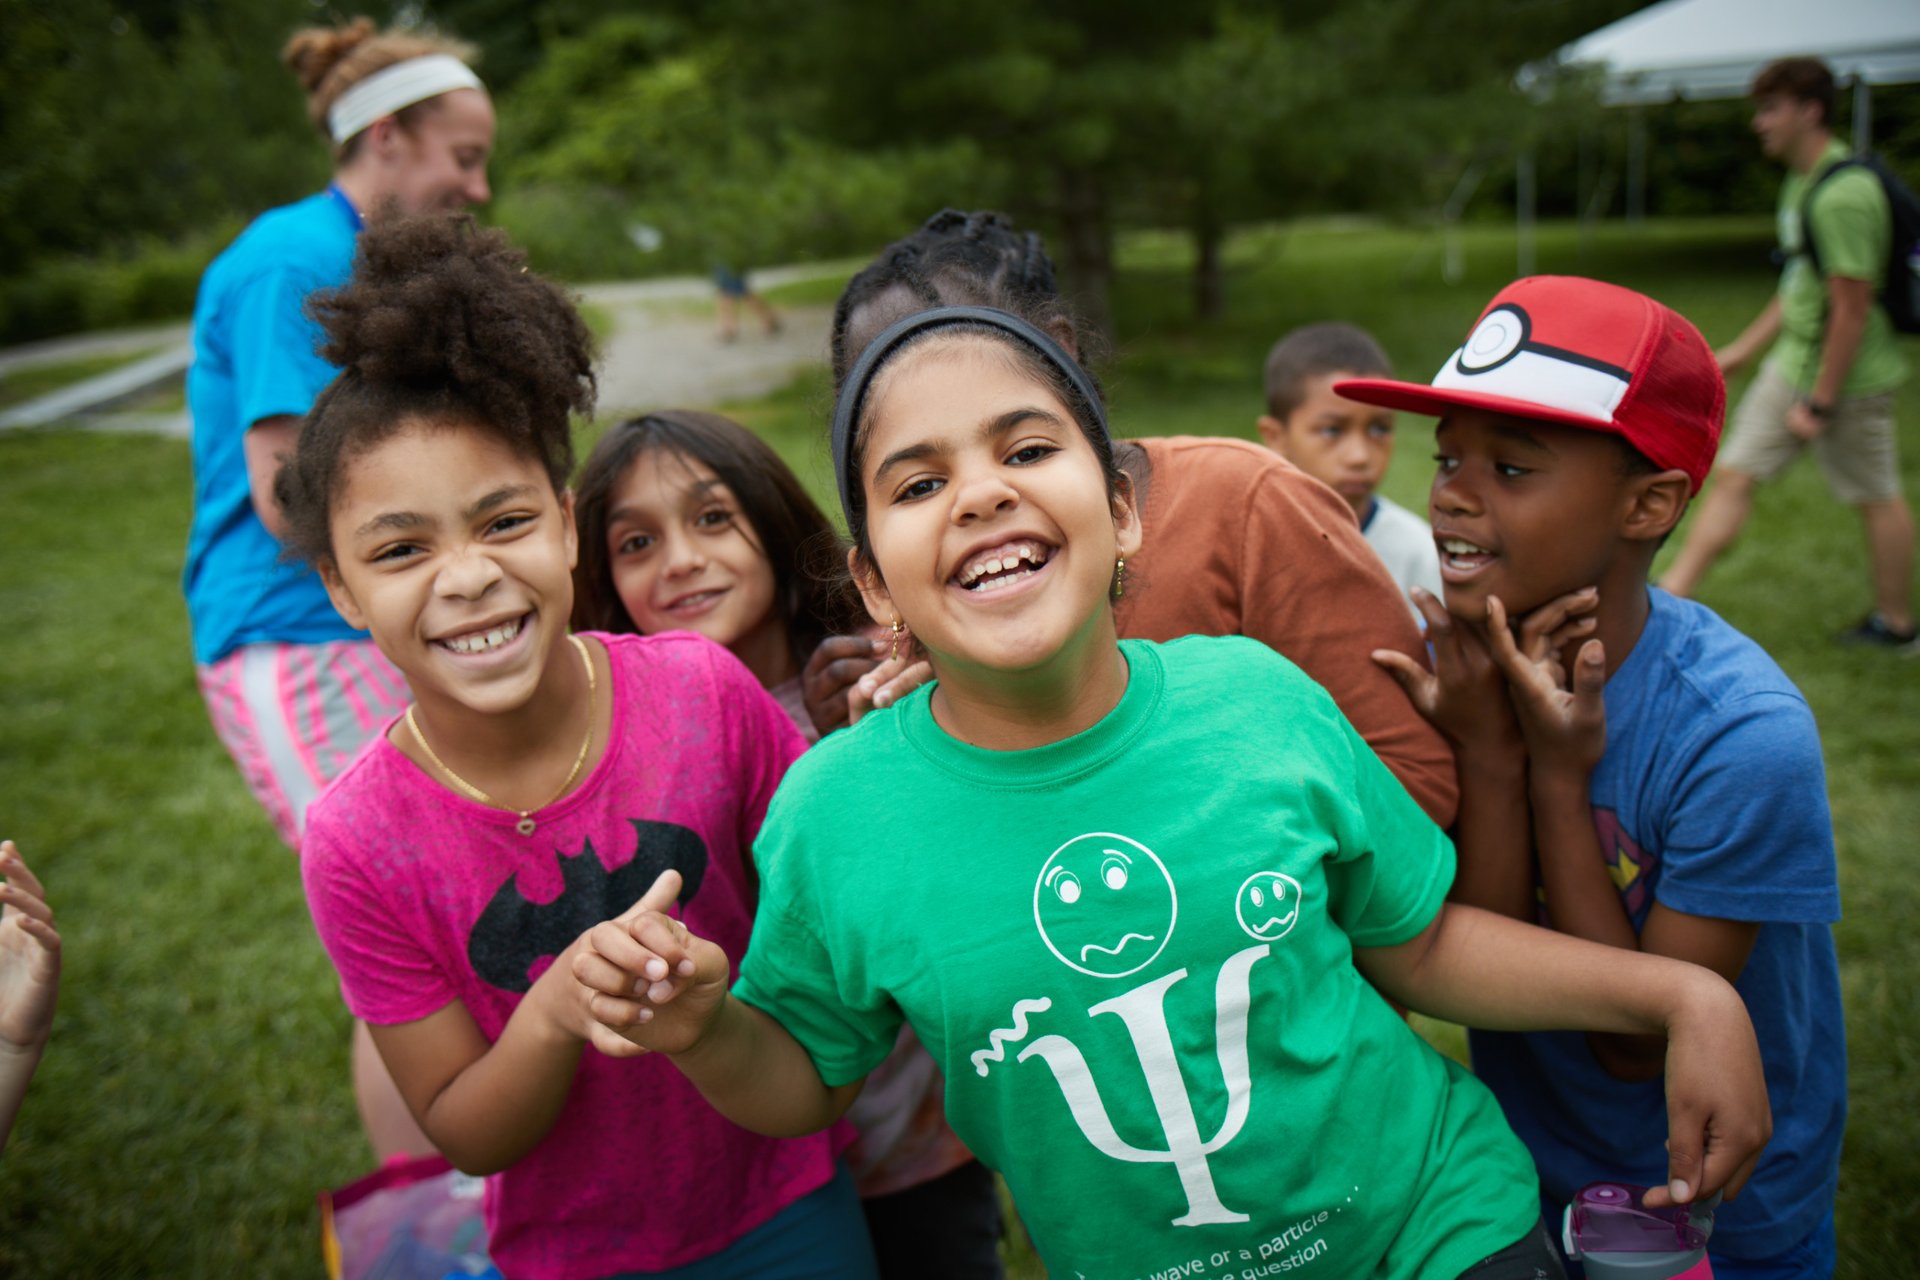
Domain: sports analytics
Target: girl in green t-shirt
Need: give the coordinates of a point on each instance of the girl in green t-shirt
(1187, 837)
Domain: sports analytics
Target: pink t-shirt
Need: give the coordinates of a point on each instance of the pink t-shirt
(423, 897)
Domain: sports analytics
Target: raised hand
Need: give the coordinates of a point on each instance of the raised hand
(1464, 695)
(1562, 715)
(29, 958)
(886, 684)
(829, 676)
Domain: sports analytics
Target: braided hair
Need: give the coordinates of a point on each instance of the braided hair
(954, 259)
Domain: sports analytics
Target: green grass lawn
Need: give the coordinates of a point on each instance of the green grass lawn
(195, 1095)
(37, 380)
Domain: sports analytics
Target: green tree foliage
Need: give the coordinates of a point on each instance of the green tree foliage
(112, 134)
(642, 121)
(135, 138)
(1118, 111)
(1060, 93)
(135, 134)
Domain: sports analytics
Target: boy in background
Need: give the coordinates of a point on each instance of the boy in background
(1669, 772)
(1344, 444)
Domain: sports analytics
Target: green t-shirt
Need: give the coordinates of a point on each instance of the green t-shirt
(1131, 953)
(1853, 226)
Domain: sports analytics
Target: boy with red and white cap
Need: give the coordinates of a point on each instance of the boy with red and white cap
(1669, 773)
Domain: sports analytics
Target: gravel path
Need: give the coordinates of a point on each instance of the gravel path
(663, 360)
(664, 352)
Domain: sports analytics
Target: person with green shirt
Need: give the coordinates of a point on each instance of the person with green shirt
(1829, 378)
(1132, 896)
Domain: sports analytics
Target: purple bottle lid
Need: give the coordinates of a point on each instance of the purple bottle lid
(1612, 1217)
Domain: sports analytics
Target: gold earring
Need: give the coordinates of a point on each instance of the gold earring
(1119, 577)
(899, 628)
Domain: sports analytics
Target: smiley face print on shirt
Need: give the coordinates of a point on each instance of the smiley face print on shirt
(1105, 905)
(1268, 905)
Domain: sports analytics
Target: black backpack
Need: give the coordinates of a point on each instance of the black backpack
(1900, 290)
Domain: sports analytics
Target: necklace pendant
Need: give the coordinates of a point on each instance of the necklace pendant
(525, 825)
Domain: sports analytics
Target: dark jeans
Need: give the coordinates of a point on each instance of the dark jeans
(946, 1229)
(1531, 1258)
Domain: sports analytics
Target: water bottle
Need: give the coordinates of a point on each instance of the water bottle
(1612, 1231)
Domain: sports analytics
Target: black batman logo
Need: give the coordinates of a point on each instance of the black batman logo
(513, 933)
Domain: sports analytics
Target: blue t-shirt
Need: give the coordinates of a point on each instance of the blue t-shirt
(254, 358)
(1712, 799)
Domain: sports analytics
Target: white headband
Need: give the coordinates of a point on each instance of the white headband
(392, 88)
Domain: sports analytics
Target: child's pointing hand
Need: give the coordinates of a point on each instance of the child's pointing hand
(565, 1002)
(655, 985)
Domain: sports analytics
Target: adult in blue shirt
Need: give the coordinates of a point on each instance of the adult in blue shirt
(294, 692)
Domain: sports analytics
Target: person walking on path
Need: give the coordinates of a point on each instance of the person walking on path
(1832, 361)
(733, 290)
(293, 691)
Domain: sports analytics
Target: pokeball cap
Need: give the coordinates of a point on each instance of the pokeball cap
(1581, 353)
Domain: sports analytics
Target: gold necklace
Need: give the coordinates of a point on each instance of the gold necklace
(526, 824)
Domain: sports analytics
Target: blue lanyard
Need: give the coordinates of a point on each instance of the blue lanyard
(353, 214)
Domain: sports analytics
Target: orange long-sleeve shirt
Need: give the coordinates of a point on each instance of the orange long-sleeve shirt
(1238, 541)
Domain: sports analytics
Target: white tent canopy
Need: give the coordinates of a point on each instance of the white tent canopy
(1703, 49)
(1713, 48)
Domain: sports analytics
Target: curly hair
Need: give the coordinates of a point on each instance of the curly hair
(810, 585)
(328, 61)
(441, 323)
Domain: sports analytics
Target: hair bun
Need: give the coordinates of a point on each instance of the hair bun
(441, 324)
(313, 52)
(437, 301)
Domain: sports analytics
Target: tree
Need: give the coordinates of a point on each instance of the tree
(1057, 93)
(652, 115)
(111, 132)
(1204, 114)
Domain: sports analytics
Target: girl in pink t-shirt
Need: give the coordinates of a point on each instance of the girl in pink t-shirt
(539, 784)
(690, 522)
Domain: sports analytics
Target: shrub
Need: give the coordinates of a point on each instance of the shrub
(571, 230)
(152, 280)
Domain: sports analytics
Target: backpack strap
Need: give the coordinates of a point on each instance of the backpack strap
(1807, 244)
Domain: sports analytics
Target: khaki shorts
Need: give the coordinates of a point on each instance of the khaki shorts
(1856, 452)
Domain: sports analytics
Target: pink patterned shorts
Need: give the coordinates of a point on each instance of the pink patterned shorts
(294, 715)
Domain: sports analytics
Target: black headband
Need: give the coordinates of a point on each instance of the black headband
(846, 410)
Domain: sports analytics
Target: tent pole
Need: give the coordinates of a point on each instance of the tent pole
(1862, 115)
(1584, 183)
(1453, 263)
(1523, 194)
(1636, 164)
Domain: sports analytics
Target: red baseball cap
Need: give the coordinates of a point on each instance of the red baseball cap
(1585, 354)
